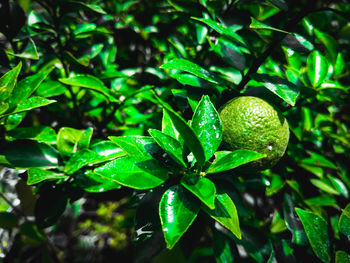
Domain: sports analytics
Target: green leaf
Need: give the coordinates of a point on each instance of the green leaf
(50, 88)
(344, 221)
(31, 103)
(221, 29)
(227, 160)
(339, 64)
(281, 87)
(90, 82)
(207, 125)
(230, 53)
(130, 172)
(169, 145)
(107, 150)
(12, 121)
(70, 140)
(37, 175)
(8, 82)
(255, 24)
(330, 44)
(4, 107)
(30, 154)
(39, 133)
(27, 87)
(325, 185)
(190, 67)
(201, 187)
(176, 213)
(187, 133)
(81, 159)
(318, 160)
(222, 248)
(342, 257)
(225, 213)
(168, 127)
(139, 147)
(317, 233)
(317, 68)
(94, 183)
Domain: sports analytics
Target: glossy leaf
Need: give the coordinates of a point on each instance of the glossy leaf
(190, 67)
(317, 234)
(281, 87)
(8, 82)
(227, 160)
(29, 104)
(70, 140)
(40, 133)
(139, 147)
(37, 175)
(207, 125)
(317, 68)
(176, 213)
(107, 149)
(225, 213)
(342, 257)
(89, 82)
(168, 127)
(24, 153)
(221, 29)
(222, 249)
(80, 159)
(330, 44)
(344, 221)
(50, 88)
(94, 183)
(339, 64)
(201, 187)
(318, 160)
(3, 108)
(187, 133)
(169, 145)
(255, 24)
(27, 87)
(281, 4)
(133, 173)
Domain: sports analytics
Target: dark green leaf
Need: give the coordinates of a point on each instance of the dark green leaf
(281, 87)
(317, 233)
(226, 160)
(222, 249)
(30, 154)
(225, 213)
(168, 127)
(8, 82)
(40, 133)
(187, 133)
(319, 161)
(281, 4)
(207, 125)
(221, 29)
(330, 44)
(107, 149)
(344, 221)
(202, 187)
(94, 183)
(8, 220)
(176, 214)
(188, 66)
(169, 145)
(37, 175)
(127, 171)
(317, 68)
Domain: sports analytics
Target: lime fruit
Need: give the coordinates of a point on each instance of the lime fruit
(254, 124)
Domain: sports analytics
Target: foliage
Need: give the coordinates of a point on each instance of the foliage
(117, 101)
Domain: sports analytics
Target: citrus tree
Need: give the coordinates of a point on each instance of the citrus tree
(185, 131)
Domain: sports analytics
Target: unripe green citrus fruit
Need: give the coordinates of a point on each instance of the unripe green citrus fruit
(254, 124)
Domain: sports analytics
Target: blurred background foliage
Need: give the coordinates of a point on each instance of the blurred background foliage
(76, 72)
